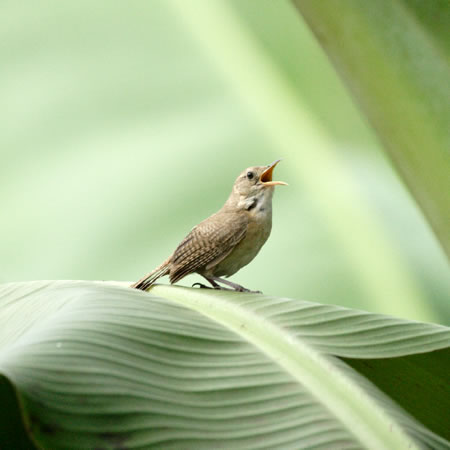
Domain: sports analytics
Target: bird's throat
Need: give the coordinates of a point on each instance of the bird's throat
(259, 204)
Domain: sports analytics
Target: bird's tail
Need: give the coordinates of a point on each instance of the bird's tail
(149, 279)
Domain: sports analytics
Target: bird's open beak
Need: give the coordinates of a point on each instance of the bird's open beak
(266, 176)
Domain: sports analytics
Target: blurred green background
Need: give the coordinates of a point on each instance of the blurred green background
(125, 123)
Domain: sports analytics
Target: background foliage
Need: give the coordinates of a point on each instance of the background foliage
(125, 125)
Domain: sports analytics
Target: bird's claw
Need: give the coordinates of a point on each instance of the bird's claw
(221, 288)
(201, 286)
(249, 291)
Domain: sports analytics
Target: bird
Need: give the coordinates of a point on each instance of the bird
(228, 240)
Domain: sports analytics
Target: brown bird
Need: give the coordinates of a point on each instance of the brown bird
(229, 239)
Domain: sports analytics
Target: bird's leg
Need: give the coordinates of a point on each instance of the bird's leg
(235, 286)
(201, 286)
(213, 283)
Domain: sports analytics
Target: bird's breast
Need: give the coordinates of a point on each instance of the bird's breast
(258, 231)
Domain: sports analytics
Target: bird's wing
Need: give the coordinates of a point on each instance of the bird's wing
(210, 241)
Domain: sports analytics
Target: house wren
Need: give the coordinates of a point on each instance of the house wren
(229, 239)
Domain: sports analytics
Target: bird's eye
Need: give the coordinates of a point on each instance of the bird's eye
(250, 175)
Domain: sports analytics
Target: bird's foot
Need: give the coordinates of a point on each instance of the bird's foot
(216, 287)
(243, 289)
(202, 286)
(233, 286)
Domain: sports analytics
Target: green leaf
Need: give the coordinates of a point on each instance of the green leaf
(395, 57)
(102, 365)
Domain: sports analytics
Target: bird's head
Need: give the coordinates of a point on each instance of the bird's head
(254, 183)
